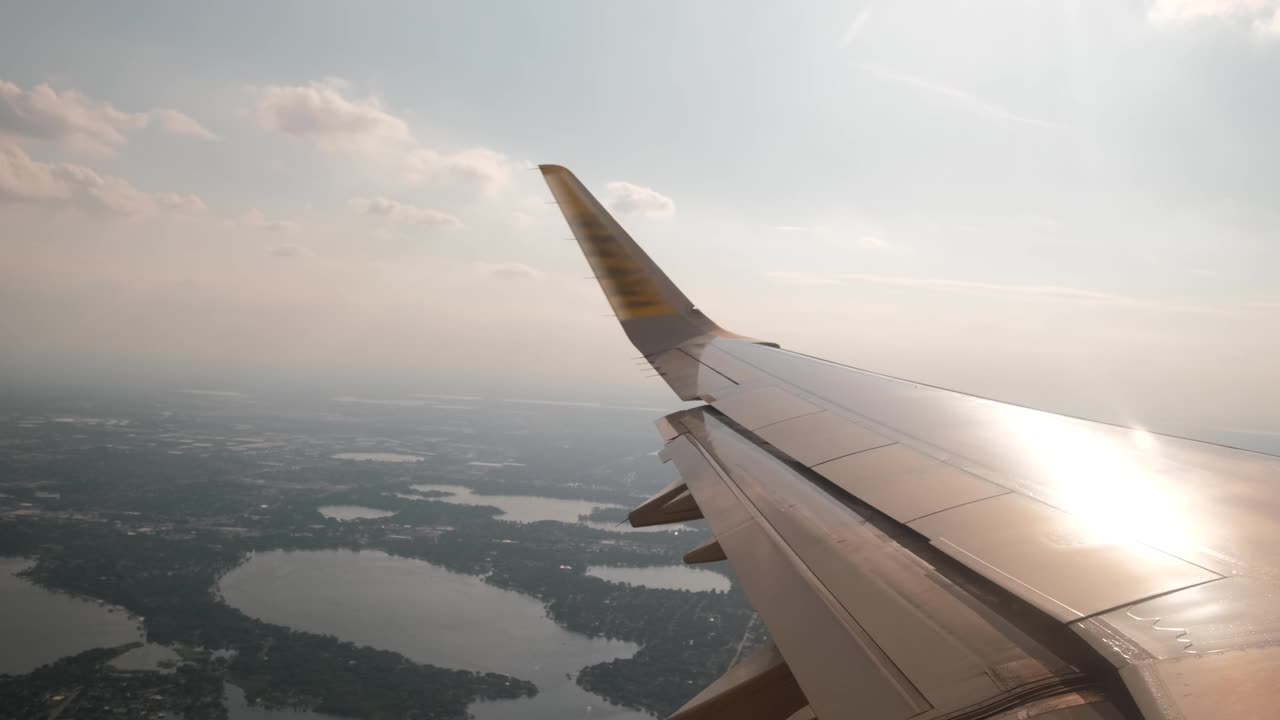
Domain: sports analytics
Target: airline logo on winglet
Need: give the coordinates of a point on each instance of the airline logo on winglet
(626, 281)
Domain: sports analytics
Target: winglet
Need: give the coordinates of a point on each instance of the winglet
(654, 313)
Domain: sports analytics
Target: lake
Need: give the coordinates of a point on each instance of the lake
(531, 508)
(39, 626)
(149, 657)
(431, 615)
(673, 577)
(352, 512)
(389, 457)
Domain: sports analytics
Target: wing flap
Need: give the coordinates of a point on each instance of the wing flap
(761, 687)
(836, 591)
(836, 664)
(657, 510)
(705, 553)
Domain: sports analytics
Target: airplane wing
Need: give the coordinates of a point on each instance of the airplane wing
(922, 553)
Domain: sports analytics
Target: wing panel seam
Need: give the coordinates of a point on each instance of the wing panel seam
(851, 454)
(953, 507)
(974, 561)
(726, 377)
(1147, 598)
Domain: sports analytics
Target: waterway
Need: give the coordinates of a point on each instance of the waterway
(38, 626)
(352, 512)
(149, 657)
(389, 457)
(531, 508)
(671, 577)
(430, 615)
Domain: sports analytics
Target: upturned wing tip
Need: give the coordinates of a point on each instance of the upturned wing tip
(549, 169)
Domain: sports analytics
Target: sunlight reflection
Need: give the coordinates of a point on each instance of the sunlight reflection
(1111, 478)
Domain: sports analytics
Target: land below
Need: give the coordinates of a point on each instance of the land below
(145, 504)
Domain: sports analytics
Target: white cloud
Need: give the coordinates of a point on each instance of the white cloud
(872, 242)
(119, 197)
(43, 113)
(395, 211)
(475, 168)
(1264, 15)
(629, 199)
(1269, 25)
(23, 179)
(323, 114)
(531, 217)
(962, 98)
(181, 125)
(254, 219)
(70, 118)
(319, 112)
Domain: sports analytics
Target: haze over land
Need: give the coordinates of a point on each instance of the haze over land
(1061, 204)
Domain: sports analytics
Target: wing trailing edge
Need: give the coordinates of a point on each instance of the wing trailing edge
(760, 687)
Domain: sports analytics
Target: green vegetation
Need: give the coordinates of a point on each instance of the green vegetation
(138, 524)
(82, 686)
(606, 515)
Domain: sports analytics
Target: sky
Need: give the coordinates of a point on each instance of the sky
(1065, 204)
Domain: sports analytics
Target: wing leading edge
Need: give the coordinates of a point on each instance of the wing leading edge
(920, 553)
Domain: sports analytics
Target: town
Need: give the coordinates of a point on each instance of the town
(144, 505)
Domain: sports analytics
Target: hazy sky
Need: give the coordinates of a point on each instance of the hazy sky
(1060, 203)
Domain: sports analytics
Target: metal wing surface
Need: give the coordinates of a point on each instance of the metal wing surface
(922, 553)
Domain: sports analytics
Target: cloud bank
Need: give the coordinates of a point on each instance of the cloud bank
(320, 113)
(628, 199)
(23, 179)
(1262, 15)
(324, 114)
(254, 219)
(404, 213)
(71, 119)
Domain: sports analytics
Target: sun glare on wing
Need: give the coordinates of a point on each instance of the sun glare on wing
(1114, 479)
